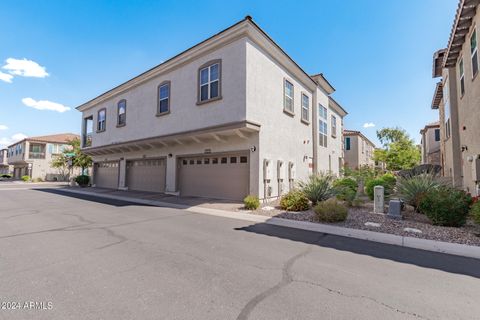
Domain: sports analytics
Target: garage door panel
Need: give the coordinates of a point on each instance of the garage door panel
(222, 177)
(146, 175)
(106, 175)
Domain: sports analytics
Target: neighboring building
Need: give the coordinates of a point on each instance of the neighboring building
(233, 115)
(457, 97)
(33, 156)
(430, 144)
(359, 150)
(4, 167)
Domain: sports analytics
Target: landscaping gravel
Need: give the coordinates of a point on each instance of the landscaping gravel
(357, 217)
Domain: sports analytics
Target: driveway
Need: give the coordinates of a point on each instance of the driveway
(80, 257)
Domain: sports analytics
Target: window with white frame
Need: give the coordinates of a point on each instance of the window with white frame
(446, 99)
(461, 72)
(122, 112)
(322, 126)
(164, 98)
(101, 120)
(474, 52)
(209, 82)
(305, 108)
(288, 91)
(334, 126)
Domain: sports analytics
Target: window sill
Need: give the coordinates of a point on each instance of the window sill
(305, 122)
(100, 131)
(290, 113)
(159, 114)
(334, 136)
(121, 125)
(209, 100)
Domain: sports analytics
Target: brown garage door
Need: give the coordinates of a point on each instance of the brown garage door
(146, 175)
(106, 174)
(221, 176)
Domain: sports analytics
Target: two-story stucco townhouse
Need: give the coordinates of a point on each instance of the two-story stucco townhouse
(457, 96)
(233, 115)
(430, 144)
(359, 150)
(4, 167)
(33, 156)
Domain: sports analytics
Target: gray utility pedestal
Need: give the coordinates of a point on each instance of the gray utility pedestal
(395, 209)
(379, 199)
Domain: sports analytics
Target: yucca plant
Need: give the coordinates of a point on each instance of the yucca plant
(413, 189)
(318, 187)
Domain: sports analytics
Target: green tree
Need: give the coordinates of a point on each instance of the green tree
(74, 153)
(399, 150)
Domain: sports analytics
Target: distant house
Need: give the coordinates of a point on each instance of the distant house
(4, 168)
(358, 150)
(457, 97)
(430, 144)
(33, 156)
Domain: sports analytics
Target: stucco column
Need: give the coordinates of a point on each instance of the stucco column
(122, 174)
(314, 132)
(171, 175)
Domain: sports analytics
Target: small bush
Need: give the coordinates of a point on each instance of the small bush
(251, 202)
(38, 180)
(330, 211)
(346, 194)
(390, 180)
(445, 206)
(82, 180)
(371, 184)
(412, 189)
(294, 200)
(318, 187)
(475, 212)
(25, 178)
(8, 176)
(357, 202)
(346, 182)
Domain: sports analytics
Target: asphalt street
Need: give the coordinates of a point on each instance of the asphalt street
(81, 257)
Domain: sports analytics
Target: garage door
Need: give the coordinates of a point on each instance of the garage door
(220, 176)
(146, 175)
(106, 174)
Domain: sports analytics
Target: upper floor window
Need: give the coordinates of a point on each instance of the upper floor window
(474, 52)
(288, 96)
(322, 125)
(55, 148)
(446, 102)
(437, 134)
(102, 120)
(334, 126)
(209, 82)
(363, 146)
(347, 143)
(122, 113)
(461, 72)
(164, 98)
(305, 108)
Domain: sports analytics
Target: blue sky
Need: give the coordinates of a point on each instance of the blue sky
(377, 54)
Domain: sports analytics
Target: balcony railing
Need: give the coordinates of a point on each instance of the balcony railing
(36, 155)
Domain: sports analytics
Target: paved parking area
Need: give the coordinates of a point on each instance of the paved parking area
(89, 258)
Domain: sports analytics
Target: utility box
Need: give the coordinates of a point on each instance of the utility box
(280, 170)
(291, 171)
(476, 169)
(267, 170)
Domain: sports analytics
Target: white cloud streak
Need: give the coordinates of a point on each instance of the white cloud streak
(6, 141)
(6, 77)
(44, 105)
(25, 68)
(3, 127)
(369, 125)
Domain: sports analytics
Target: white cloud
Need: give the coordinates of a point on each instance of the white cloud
(44, 105)
(369, 125)
(25, 68)
(6, 141)
(6, 77)
(3, 127)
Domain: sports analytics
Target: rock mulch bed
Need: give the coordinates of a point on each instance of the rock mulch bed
(413, 224)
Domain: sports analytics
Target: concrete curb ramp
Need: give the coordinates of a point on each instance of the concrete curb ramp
(409, 242)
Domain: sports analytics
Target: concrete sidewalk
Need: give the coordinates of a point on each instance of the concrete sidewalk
(205, 206)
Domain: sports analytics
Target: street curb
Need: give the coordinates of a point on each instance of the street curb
(408, 242)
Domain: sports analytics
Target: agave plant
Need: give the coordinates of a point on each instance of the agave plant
(318, 187)
(413, 188)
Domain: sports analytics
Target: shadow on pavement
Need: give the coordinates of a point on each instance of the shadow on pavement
(421, 258)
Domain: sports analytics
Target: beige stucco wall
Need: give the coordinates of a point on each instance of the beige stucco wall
(357, 157)
(430, 147)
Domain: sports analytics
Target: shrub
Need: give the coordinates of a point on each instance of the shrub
(475, 212)
(346, 194)
(390, 180)
(82, 180)
(318, 187)
(38, 180)
(294, 200)
(251, 202)
(412, 189)
(357, 202)
(25, 178)
(445, 206)
(6, 176)
(330, 211)
(371, 184)
(346, 182)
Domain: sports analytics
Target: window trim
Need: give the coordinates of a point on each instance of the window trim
(98, 120)
(118, 113)
(475, 51)
(203, 66)
(333, 128)
(348, 146)
(322, 120)
(289, 112)
(169, 83)
(461, 73)
(306, 121)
